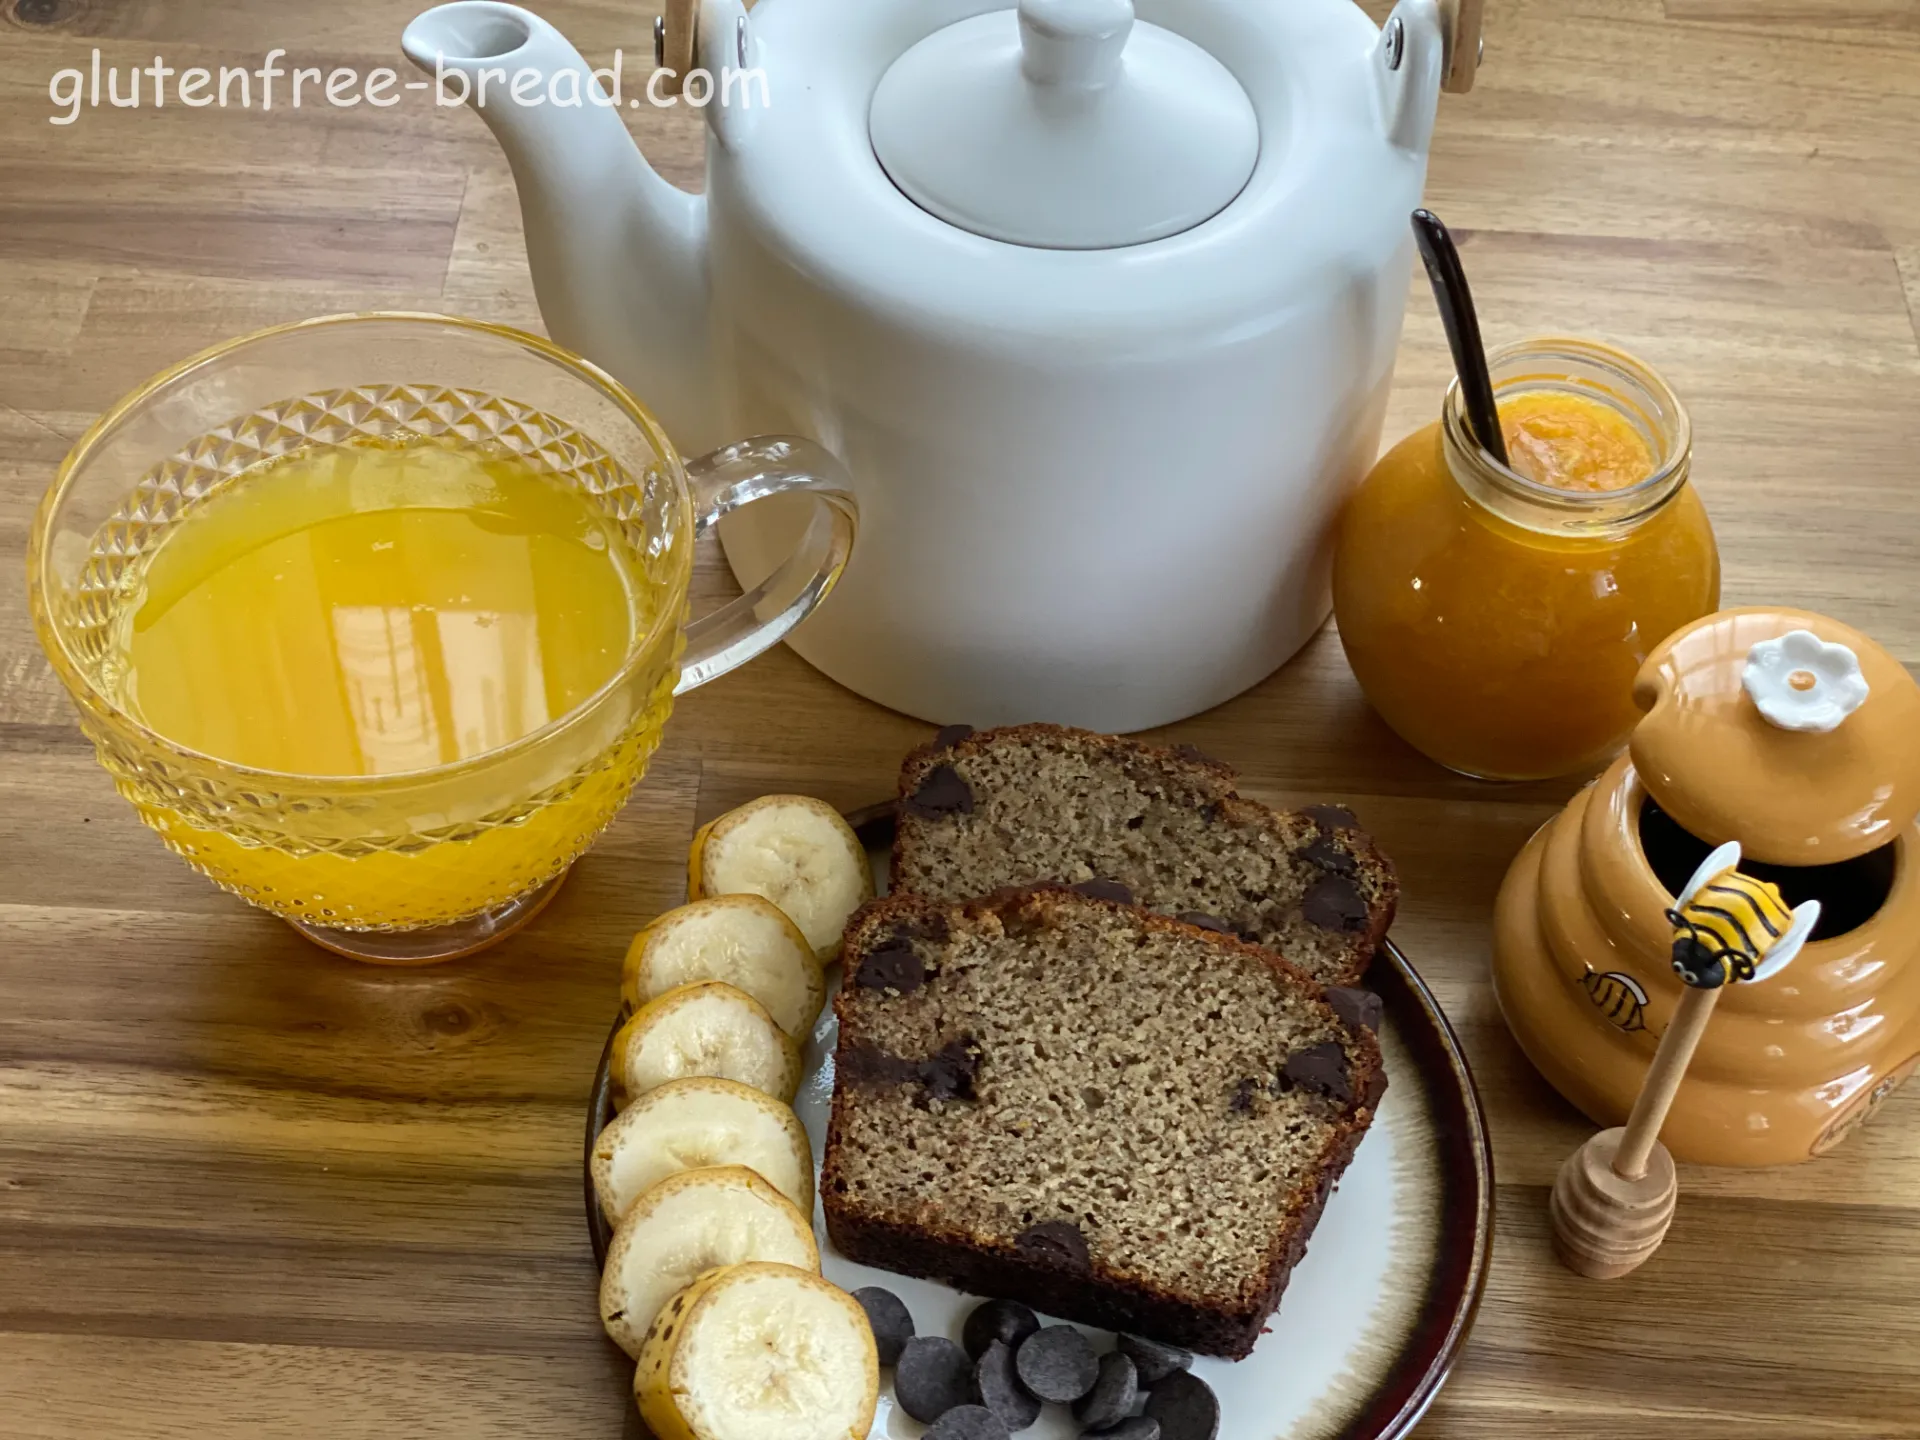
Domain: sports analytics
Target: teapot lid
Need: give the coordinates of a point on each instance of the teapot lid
(1787, 731)
(1064, 125)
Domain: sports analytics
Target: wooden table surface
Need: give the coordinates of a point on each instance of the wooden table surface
(247, 1189)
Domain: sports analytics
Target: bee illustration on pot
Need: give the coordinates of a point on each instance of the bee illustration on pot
(1618, 996)
(1728, 926)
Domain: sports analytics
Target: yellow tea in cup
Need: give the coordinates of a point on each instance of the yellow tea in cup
(377, 619)
(377, 609)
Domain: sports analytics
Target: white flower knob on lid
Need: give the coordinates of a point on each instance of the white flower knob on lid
(1800, 682)
(1064, 125)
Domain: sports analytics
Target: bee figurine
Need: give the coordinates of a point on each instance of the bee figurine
(1731, 927)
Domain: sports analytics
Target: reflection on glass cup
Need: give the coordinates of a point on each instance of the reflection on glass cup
(395, 860)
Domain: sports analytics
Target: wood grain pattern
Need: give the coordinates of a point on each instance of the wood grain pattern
(250, 1190)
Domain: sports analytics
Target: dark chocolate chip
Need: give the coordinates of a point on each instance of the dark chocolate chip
(1329, 856)
(1209, 813)
(1242, 1101)
(967, 1422)
(1319, 1070)
(1056, 1364)
(1153, 1360)
(1333, 903)
(1333, 817)
(1007, 1321)
(1361, 1009)
(890, 1320)
(996, 1386)
(1200, 920)
(1114, 1390)
(950, 736)
(894, 966)
(1097, 889)
(931, 1377)
(942, 792)
(949, 1074)
(1134, 1427)
(1186, 1408)
(1056, 1243)
(1194, 754)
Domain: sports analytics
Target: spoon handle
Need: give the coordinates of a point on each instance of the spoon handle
(1455, 300)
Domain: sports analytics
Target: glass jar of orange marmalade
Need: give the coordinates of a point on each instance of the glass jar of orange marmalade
(1496, 614)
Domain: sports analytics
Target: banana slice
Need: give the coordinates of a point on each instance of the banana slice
(705, 1029)
(694, 1123)
(794, 850)
(744, 940)
(686, 1225)
(759, 1352)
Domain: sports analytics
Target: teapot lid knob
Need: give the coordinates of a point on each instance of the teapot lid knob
(1074, 43)
(1064, 125)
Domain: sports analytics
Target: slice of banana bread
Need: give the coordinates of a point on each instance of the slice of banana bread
(1112, 1116)
(1038, 804)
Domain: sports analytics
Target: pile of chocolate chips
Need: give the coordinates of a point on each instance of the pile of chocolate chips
(1008, 1366)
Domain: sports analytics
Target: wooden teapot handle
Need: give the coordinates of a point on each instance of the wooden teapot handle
(678, 22)
(1461, 20)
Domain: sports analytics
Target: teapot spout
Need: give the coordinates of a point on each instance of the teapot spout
(618, 254)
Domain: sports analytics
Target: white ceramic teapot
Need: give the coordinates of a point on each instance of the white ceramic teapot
(1099, 311)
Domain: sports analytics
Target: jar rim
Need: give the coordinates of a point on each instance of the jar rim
(1632, 381)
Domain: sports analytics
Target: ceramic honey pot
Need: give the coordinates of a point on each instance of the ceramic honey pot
(1799, 738)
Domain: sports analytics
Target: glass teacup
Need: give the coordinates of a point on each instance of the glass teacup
(438, 861)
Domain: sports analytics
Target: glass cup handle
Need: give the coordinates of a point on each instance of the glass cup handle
(738, 475)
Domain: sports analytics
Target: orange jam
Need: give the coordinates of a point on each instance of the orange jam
(1496, 617)
(1573, 442)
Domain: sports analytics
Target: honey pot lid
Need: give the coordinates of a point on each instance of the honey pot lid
(1790, 732)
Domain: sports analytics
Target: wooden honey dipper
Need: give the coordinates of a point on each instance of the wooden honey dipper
(1614, 1197)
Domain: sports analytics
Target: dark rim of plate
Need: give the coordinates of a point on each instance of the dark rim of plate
(1466, 1171)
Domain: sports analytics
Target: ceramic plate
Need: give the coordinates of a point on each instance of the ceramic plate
(1376, 1313)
